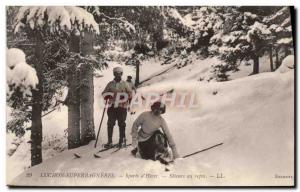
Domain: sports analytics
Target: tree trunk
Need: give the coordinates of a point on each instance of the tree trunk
(158, 35)
(255, 64)
(277, 58)
(74, 43)
(73, 102)
(87, 42)
(271, 58)
(86, 104)
(36, 127)
(37, 108)
(87, 91)
(137, 73)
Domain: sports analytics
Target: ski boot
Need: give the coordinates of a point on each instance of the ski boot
(108, 145)
(122, 143)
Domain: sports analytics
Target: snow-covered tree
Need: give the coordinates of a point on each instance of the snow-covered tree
(249, 32)
(258, 36)
(21, 79)
(242, 37)
(46, 26)
(279, 23)
(114, 25)
(176, 28)
(203, 22)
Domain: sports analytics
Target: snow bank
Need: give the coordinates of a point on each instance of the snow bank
(20, 160)
(287, 64)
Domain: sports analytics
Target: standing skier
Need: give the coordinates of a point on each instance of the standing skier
(153, 137)
(130, 83)
(117, 92)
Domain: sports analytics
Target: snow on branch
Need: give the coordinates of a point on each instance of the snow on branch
(176, 15)
(286, 22)
(285, 41)
(257, 29)
(38, 16)
(250, 15)
(276, 17)
(126, 25)
(19, 73)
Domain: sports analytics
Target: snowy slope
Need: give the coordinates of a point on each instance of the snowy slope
(152, 67)
(198, 69)
(253, 116)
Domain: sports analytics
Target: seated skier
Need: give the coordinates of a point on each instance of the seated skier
(151, 136)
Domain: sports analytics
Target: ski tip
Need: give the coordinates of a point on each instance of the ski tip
(97, 156)
(77, 155)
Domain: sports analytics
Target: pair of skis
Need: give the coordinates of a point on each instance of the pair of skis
(96, 155)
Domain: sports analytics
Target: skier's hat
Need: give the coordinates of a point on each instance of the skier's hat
(129, 77)
(117, 70)
(159, 105)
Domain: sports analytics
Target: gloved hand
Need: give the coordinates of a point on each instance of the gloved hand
(122, 97)
(134, 151)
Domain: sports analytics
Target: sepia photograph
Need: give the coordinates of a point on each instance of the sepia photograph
(150, 96)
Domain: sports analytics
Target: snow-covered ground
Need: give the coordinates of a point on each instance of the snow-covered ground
(199, 70)
(253, 117)
(152, 67)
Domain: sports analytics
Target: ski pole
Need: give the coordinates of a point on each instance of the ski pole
(191, 154)
(202, 150)
(101, 123)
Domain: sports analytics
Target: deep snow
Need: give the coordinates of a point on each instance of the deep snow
(253, 116)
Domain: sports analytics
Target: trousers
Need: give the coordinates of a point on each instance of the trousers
(157, 143)
(116, 114)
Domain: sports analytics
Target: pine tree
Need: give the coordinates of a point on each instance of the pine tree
(281, 41)
(50, 31)
(243, 37)
(206, 22)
